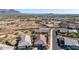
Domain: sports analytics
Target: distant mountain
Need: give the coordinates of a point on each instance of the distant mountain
(9, 11)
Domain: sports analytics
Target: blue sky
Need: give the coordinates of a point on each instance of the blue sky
(56, 11)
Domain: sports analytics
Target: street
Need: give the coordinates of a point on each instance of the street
(55, 46)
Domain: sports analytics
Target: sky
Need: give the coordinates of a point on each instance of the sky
(55, 11)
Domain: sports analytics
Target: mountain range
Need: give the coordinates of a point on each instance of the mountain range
(9, 11)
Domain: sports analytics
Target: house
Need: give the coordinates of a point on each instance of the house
(40, 42)
(63, 24)
(72, 43)
(6, 47)
(24, 42)
(73, 30)
(45, 30)
(71, 26)
(63, 30)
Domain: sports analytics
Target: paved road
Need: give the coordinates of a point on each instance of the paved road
(55, 46)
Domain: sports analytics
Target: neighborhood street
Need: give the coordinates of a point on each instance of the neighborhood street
(54, 39)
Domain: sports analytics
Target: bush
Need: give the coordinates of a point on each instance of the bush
(72, 35)
(1, 39)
